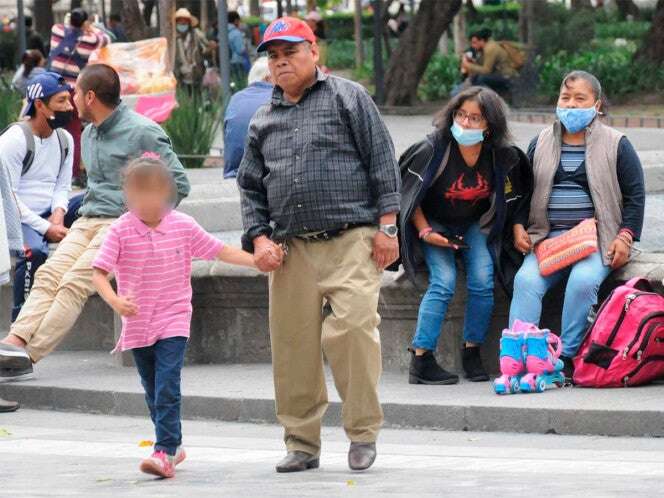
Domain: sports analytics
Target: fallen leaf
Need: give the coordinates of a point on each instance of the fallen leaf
(104, 479)
(145, 442)
(5, 432)
(350, 483)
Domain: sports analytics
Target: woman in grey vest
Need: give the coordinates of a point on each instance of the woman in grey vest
(582, 169)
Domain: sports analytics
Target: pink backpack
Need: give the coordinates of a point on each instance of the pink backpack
(625, 344)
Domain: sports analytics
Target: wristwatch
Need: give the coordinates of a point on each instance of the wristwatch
(390, 230)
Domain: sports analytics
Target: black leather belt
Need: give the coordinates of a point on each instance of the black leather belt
(329, 234)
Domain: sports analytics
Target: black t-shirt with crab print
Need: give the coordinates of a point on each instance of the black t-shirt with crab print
(462, 194)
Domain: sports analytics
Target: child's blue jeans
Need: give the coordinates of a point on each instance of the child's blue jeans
(159, 366)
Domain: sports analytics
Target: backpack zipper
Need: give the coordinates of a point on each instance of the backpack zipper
(628, 301)
(641, 365)
(639, 330)
(646, 338)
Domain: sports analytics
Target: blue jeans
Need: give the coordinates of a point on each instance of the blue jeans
(36, 247)
(159, 366)
(442, 283)
(584, 280)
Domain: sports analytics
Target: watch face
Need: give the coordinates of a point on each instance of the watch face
(391, 230)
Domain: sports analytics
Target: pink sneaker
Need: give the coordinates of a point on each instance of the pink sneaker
(159, 464)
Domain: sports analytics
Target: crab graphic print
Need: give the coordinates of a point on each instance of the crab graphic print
(462, 193)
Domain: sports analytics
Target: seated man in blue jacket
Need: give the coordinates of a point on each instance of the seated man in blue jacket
(241, 109)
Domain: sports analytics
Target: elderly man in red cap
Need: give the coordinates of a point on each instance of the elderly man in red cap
(320, 196)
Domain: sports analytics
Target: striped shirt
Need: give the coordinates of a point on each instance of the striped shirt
(570, 201)
(154, 267)
(70, 60)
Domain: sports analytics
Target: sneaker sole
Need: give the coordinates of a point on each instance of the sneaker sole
(155, 470)
(417, 380)
(479, 378)
(16, 360)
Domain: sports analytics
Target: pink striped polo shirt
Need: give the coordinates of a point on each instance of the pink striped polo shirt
(154, 266)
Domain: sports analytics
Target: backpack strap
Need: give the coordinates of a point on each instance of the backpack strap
(640, 283)
(29, 144)
(64, 146)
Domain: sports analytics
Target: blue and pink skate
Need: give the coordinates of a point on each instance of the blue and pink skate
(529, 360)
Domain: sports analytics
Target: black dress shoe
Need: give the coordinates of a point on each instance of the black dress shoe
(472, 364)
(14, 357)
(425, 370)
(361, 456)
(8, 406)
(297, 461)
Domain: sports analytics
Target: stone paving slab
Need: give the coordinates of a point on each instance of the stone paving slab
(91, 382)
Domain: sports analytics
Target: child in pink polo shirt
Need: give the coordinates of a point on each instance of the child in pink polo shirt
(149, 250)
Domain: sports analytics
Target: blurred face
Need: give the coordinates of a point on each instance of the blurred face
(292, 65)
(469, 116)
(149, 198)
(312, 24)
(577, 94)
(182, 25)
(477, 43)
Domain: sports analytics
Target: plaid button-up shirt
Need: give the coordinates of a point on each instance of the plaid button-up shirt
(319, 164)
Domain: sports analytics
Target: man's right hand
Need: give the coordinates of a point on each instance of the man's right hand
(268, 256)
(56, 233)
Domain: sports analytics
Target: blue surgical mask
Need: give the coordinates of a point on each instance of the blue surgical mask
(467, 136)
(182, 28)
(575, 120)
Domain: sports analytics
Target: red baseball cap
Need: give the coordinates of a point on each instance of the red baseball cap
(287, 29)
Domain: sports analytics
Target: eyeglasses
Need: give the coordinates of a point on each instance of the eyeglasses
(473, 119)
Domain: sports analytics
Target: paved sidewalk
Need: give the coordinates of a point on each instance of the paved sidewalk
(55, 454)
(90, 382)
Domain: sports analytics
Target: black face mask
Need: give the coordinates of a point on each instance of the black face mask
(60, 119)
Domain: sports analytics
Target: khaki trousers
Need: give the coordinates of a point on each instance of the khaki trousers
(339, 272)
(62, 286)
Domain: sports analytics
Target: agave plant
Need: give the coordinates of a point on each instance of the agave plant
(192, 128)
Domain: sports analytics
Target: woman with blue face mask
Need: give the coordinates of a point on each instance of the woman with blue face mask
(582, 169)
(463, 189)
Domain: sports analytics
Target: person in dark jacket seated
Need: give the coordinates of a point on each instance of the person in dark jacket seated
(464, 187)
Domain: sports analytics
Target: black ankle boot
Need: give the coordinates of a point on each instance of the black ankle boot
(425, 370)
(472, 364)
(568, 369)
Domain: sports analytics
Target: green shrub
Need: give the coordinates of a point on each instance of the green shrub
(501, 10)
(565, 30)
(625, 29)
(439, 78)
(192, 128)
(341, 53)
(10, 102)
(501, 29)
(615, 68)
(8, 50)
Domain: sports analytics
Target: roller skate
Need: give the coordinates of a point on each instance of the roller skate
(543, 362)
(512, 358)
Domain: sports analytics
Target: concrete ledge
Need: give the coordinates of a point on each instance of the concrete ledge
(230, 320)
(89, 382)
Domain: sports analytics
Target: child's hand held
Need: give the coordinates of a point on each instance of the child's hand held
(125, 306)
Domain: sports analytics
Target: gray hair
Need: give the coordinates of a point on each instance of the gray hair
(259, 71)
(588, 78)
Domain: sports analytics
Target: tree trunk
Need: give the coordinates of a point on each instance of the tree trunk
(42, 12)
(653, 46)
(133, 22)
(359, 44)
(167, 27)
(416, 46)
(471, 11)
(459, 33)
(627, 8)
(581, 4)
(254, 8)
(76, 4)
(311, 5)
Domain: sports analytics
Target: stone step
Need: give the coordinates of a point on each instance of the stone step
(90, 382)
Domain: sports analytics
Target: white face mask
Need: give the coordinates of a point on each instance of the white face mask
(182, 28)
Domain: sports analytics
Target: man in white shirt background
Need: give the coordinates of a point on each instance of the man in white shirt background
(38, 154)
